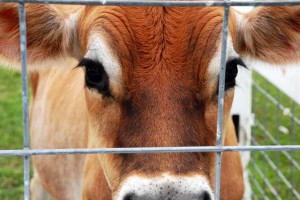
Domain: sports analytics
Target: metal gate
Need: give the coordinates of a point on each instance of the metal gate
(274, 175)
(26, 152)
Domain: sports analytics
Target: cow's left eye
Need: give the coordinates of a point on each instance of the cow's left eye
(95, 76)
(232, 71)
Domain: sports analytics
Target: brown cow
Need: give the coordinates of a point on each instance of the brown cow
(147, 78)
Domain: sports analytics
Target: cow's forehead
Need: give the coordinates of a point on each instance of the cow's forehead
(149, 37)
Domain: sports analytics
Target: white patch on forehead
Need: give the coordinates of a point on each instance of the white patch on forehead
(70, 33)
(98, 50)
(214, 67)
(164, 187)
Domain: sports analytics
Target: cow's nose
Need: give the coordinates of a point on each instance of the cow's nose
(165, 187)
(169, 196)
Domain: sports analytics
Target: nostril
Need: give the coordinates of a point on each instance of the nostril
(129, 196)
(205, 196)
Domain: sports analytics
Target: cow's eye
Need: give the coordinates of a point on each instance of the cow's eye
(232, 71)
(95, 76)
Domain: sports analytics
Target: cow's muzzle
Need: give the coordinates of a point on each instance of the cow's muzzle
(165, 187)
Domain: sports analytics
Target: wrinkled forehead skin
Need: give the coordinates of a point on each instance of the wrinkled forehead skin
(165, 97)
(173, 38)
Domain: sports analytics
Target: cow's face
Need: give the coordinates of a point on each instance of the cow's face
(152, 81)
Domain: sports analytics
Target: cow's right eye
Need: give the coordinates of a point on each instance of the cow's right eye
(95, 76)
(232, 71)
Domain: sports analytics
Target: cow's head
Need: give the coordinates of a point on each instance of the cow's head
(151, 80)
(151, 77)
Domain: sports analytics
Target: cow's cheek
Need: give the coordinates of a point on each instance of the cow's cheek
(104, 117)
(211, 117)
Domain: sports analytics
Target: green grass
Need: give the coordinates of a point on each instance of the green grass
(11, 168)
(268, 114)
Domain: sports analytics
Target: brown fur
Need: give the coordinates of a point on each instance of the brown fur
(165, 97)
(66, 129)
(232, 183)
(164, 69)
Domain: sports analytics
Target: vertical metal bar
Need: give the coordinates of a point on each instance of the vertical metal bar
(292, 166)
(23, 50)
(266, 181)
(277, 135)
(255, 183)
(264, 121)
(221, 102)
(253, 132)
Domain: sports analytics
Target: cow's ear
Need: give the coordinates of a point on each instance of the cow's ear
(270, 34)
(51, 34)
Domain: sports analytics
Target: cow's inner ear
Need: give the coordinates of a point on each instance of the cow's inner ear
(269, 34)
(51, 35)
(96, 76)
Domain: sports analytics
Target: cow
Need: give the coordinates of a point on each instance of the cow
(113, 76)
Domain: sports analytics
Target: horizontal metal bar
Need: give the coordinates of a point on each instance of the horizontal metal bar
(148, 150)
(163, 3)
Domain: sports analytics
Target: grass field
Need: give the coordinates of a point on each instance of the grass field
(11, 168)
(280, 126)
